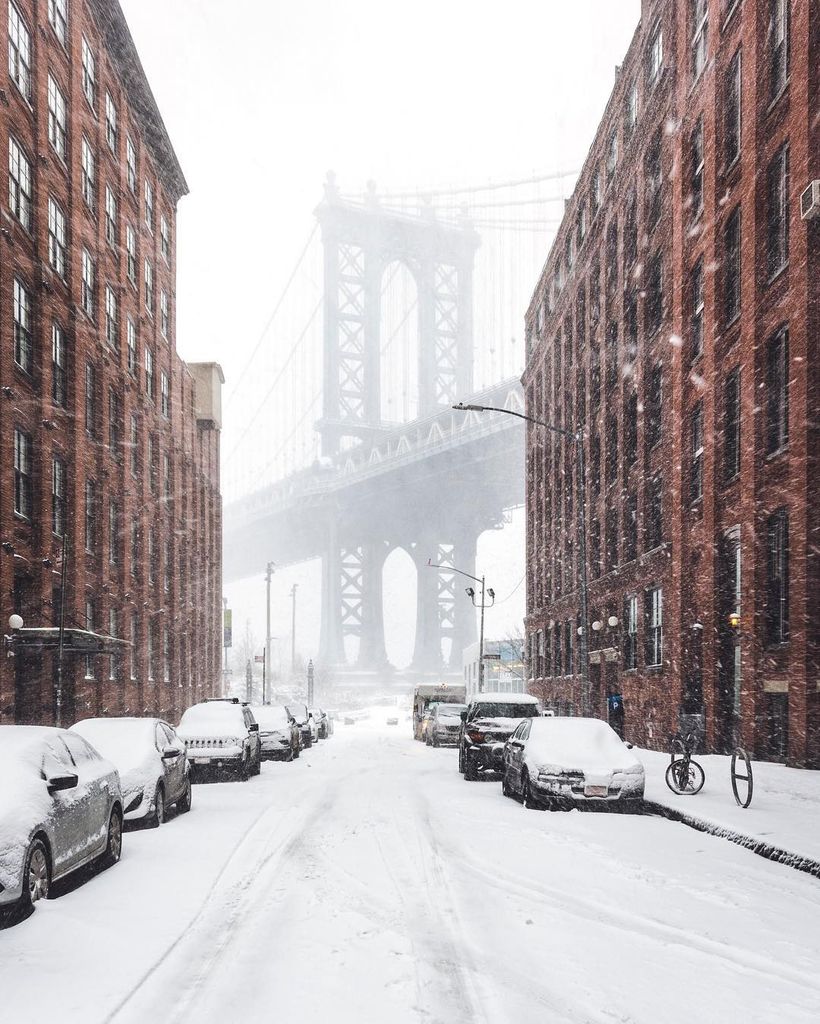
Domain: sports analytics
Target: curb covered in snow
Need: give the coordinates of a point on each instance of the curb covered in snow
(758, 846)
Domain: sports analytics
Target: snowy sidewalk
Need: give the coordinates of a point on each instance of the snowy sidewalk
(783, 821)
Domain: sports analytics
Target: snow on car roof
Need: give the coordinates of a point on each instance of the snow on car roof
(586, 744)
(212, 718)
(270, 715)
(503, 698)
(126, 742)
(16, 739)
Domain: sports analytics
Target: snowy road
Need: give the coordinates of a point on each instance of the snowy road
(368, 882)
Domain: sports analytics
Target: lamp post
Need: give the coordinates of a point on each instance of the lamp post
(471, 594)
(577, 438)
(269, 571)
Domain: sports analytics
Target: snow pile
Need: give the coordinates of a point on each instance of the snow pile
(504, 698)
(212, 720)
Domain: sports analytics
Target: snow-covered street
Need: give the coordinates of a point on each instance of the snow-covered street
(368, 882)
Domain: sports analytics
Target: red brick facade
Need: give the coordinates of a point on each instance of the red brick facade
(114, 442)
(677, 323)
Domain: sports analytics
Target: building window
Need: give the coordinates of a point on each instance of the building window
(111, 232)
(90, 399)
(612, 156)
(135, 446)
(696, 293)
(149, 205)
(165, 239)
(733, 107)
(653, 180)
(164, 395)
(149, 287)
(20, 184)
(22, 474)
(777, 212)
(630, 547)
(169, 567)
(152, 464)
(611, 448)
(56, 238)
(696, 430)
(130, 164)
(631, 632)
(696, 164)
(777, 392)
(611, 537)
(164, 316)
(90, 515)
(113, 630)
(654, 513)
(22, 326)
(630, 426)
(152, 557)
(631, 110)
(19, 52)
(731, 425)
(135, 629)
(131, 254)
(581, 222)
(58, 17)
(167, 479)
(89, 73)
(631, 232)
(777, 578)
(778, 47)
(88, 288)
(700, 28)
(135, 548)
(131, 341)
(112, 333)
(114, 424)
(166, 655)
(611, 268)
(653, 648)
(58, 492)
(56, 118)
(89, 173)
(731, 266)
(59, 389)
(110, 123)
(597, 195)
(149, 373)
(113, 533)
(654, 62)
(654, 294)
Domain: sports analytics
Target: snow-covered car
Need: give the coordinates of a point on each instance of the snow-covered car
(60, 809)
(151, 761)
(565, 761)
(445, 725)
(305, 722)
(392, 720)
(486, 725)
(323, 727)
(279, 734)
(221, 735)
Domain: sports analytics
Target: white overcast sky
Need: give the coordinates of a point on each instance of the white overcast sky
(262, 97)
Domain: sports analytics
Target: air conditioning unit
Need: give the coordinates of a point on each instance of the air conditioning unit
(810, 201)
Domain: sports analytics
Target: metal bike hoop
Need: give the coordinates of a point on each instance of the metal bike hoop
(740, 754)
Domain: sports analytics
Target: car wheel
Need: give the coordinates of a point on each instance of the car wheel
(506, 789)
(527, 798)
(113, 848)
(470, 768)
(243, 773)
(257, 768)
(184, 802)
(460, 760)
(296, 751)
(37, 874)
(157, 818)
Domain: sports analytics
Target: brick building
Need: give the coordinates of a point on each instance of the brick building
(105, 434)
(676, 323)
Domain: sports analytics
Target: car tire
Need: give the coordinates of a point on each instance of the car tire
(157, 816)
(527, 799)
(184, 802)
(113, 846)
(243, 772)
(506, 789)
(460, 759)
(36, 874)
(257, 768)
(296, 752)
(470, 768)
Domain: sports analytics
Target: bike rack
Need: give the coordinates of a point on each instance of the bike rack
(740, 754)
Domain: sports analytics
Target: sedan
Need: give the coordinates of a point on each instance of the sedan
(566, 762)
(280, 735)
(60, 809)
(151, 760)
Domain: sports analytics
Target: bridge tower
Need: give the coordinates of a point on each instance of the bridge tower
(360, 241)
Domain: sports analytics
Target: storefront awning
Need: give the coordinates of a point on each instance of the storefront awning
(75, 641)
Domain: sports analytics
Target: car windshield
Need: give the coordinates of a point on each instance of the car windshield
(450, 710)
(270, 717)
(504, 710)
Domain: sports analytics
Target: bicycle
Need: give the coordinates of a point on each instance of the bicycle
(684, 776)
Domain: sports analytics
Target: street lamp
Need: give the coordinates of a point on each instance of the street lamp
(470, 591)
(577, 438)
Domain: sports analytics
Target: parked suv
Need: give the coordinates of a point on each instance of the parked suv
(486, 725)
(444, 726)
(221, 734)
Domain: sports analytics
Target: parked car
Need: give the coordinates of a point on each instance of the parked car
(151, 761)
(486, 725)
(221, 735)
(561, 762)
(323, 724)
(280, 736)
(392, 720)
(445, 725)
(60, 809)
(305, 722)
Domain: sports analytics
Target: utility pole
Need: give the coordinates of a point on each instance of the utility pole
(310, 683)
(471, 594)
(270, 569)
(293, 630)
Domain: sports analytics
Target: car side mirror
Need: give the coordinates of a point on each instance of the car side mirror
(254, 727)
(170, 752)
(57, 783)
(463, 716)
(630, 746)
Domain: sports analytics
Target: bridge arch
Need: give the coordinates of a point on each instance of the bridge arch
(399, 591)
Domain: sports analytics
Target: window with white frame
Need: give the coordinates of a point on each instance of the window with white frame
(149, 205)
(612, 155)
(20, 184)
(653, 649)
(166, 655)
(149, 373)
(113, 533)
(113, 630)
(58, 18)
(732, 110)
(131, 344)
(696, 168)
(89, 625)
(134, 637)
(778, 47)
(631, 111)
(89, 72)
(22, 326)
(56, 237)
(59, 375)
(164, 395)
(90, 515)
(111, 218)
(111, 130)
(22, 474)
(696, 430)
(19, 51)
(112, 335)
(131, 254)
(165, 238)
(88, 271)
(57, 122)
(58, 497)
(697, 309)
(164, 317)
(700, 26)
(135, 445)
(149, 287)
(631, 632)
(88, 173)
(655, 56)
(130, 164)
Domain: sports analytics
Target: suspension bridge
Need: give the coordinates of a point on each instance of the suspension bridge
(341, 442)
